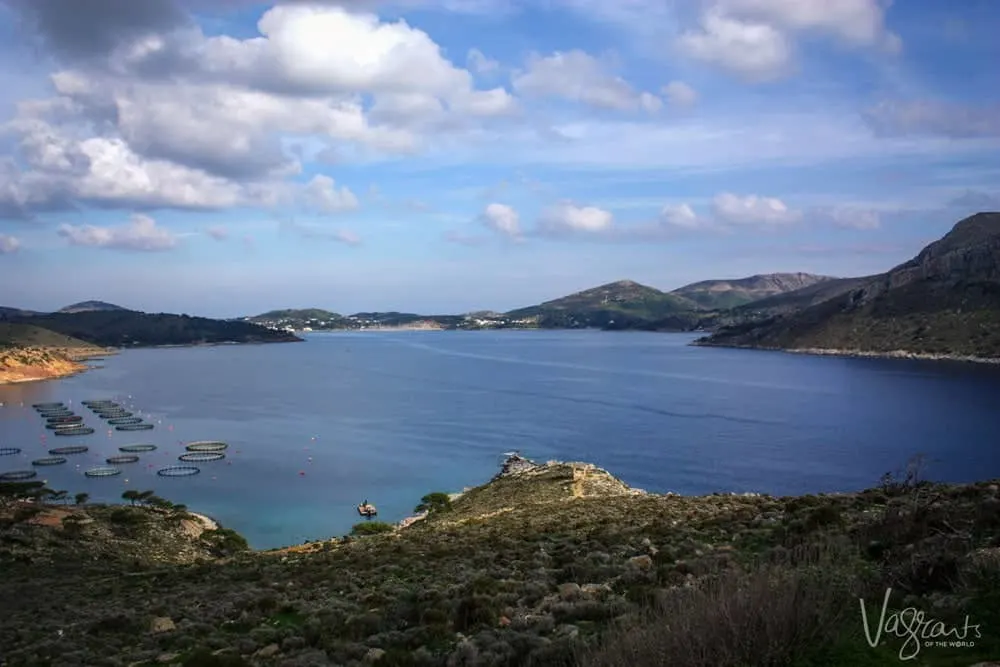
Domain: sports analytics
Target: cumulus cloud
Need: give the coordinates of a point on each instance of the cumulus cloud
(681, 216)
(858, 22)
(568, 218)
(933, 118)
(322, 194)
(680, 94)
(579, 77)
(753, 210)
(751, 49)
(503, 220)
(141, 233)
(479, 63)
(8, 244)
(322, 233)
(180, 119)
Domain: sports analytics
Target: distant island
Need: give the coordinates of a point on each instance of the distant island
(945, 303)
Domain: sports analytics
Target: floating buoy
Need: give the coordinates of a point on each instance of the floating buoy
(302, 473)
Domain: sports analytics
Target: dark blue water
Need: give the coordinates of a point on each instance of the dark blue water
(316, 427)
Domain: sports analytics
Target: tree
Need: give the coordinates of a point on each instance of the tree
(81, 498)
(145, 496)
(57, 496)
(131, 495)
(434, 502)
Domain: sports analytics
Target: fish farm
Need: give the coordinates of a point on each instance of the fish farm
(137, 448)
(48, 406)
(63, 426)
(17, 475)
(49, 461)
(69, 419)
(128, 458)
(9, 451)
(48, 414)
(75, 449)
(103, 471)
(134, 427)
(83, 430)
(178, 471)
(117, 414)
(121, 421)
(206, 446)
(202, 456)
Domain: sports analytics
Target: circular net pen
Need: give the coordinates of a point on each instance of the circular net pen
(49, 461)
(75, 449)
(17, 475)
(9, 451)
(117, 414)
(48, 414)
(98, 404)
(138, 449)
(68, 419)
(67, 425)
(102, 471)
(206, 446)
(202, 457)
(134, 427)
(85, 430)
(122, 421)
(48, 406)
(118, 460)
(178, 471)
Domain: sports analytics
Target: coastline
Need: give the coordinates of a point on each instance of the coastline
(70, 365)
(419, 516)
(861, 354)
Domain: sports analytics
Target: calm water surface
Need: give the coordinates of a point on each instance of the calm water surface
(316, 427)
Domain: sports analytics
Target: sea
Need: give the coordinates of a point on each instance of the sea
(316, 427)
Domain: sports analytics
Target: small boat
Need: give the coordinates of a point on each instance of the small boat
(367, 509)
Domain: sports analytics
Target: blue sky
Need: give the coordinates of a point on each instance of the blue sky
(226, 157)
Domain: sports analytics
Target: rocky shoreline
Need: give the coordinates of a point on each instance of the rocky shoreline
(35, 364)
(862, 354)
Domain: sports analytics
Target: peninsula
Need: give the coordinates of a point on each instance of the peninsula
(547, 564)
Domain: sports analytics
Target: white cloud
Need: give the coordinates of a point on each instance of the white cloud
(753, 210)
(681, 216)
(8, 244)
(933, 118)
(578, 77)
(566, 218)
(321, 232)
(218, 232)
(477, 61)
(680, 94)
(754, 50)
(848, 217)
(322, 194)
(859, 22)
(502, 219)
(140, 234)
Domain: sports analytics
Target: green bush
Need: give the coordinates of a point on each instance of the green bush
(371, 528)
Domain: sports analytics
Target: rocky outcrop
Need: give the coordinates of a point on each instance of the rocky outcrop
(25, 364)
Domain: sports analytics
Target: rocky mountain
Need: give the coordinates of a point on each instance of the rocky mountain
(721, 294)
(945, 301)
(89, 306)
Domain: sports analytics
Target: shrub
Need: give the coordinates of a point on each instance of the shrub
(371, 528)
(434, 502)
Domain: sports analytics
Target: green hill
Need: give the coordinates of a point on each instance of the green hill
(623, 303)
(555, 565)
(302, 314)
(16, 334)
(87, 306)
(945, 301)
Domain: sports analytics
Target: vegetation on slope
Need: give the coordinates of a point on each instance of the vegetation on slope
(31, 353)
(945, 301)
(726, 294)
(552, 566)
(126, 328)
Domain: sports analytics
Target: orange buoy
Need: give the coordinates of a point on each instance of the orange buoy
(302, 472)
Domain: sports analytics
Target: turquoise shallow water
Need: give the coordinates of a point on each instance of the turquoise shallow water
(316, 427)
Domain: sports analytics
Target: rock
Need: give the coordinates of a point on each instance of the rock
(374, 655)
(569, 591)
(504, 621)
(993, 488)
(595, 589)
(567, 630)
(642, 562)
(268, 651)
(166, 658)
(162, 624)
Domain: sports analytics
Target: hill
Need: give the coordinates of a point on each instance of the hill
(303, 314)
(943, 302)
(556, 564)
(724, 294)
(31, 353)
(11, 313)
(88, 306)
(127, 328)
(621, 304)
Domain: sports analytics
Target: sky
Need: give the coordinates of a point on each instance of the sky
(228, 157)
